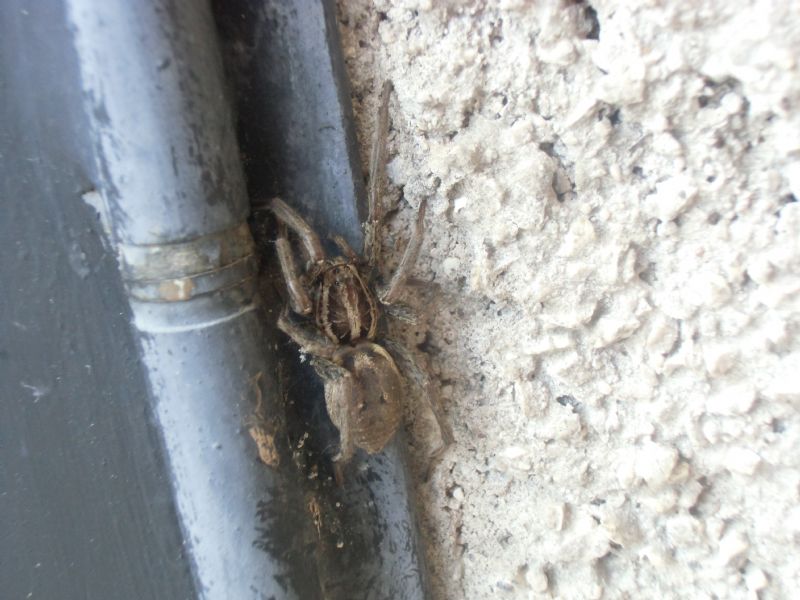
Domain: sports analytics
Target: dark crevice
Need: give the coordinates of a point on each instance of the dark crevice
(567, 400)
(548, 148)
(591, 16)
(588, 25)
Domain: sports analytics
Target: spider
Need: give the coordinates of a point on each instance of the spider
(363, 384)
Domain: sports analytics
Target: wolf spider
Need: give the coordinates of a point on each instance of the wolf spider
(363, 384)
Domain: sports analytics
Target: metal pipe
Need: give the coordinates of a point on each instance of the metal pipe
(171, 188)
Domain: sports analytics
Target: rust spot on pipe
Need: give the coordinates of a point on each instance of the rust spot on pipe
(175, 290)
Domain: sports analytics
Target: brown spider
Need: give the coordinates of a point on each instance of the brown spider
(363, 385)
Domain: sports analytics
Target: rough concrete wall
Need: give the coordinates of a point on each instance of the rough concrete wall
(612, 308)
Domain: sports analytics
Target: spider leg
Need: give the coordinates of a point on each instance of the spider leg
(298, 297)
(339, 393)
(392, 291)
(405, 360)
(309, 237)
(401, 312)
(309, 340)
(346, 248)
(377, 171)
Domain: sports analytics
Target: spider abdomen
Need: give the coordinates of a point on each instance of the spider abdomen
(374, 391)
(346, 310)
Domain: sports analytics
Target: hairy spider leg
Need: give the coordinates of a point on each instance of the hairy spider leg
(298, 297)
(339, 389)
(309, 340)
(377, 169)
(308, 237)
(346, 249)
(392, 291)
(422, 381)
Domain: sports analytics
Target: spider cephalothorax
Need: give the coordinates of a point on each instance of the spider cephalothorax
(363, 385)
(345, 308)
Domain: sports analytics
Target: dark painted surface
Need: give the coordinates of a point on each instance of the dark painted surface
(296, 128)
(85, 498)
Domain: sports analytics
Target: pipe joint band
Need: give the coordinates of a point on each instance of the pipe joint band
(181, 271)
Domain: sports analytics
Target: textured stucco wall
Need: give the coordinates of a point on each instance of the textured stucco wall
(613, 267)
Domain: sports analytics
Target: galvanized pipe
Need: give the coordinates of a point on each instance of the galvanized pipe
(172, 191)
